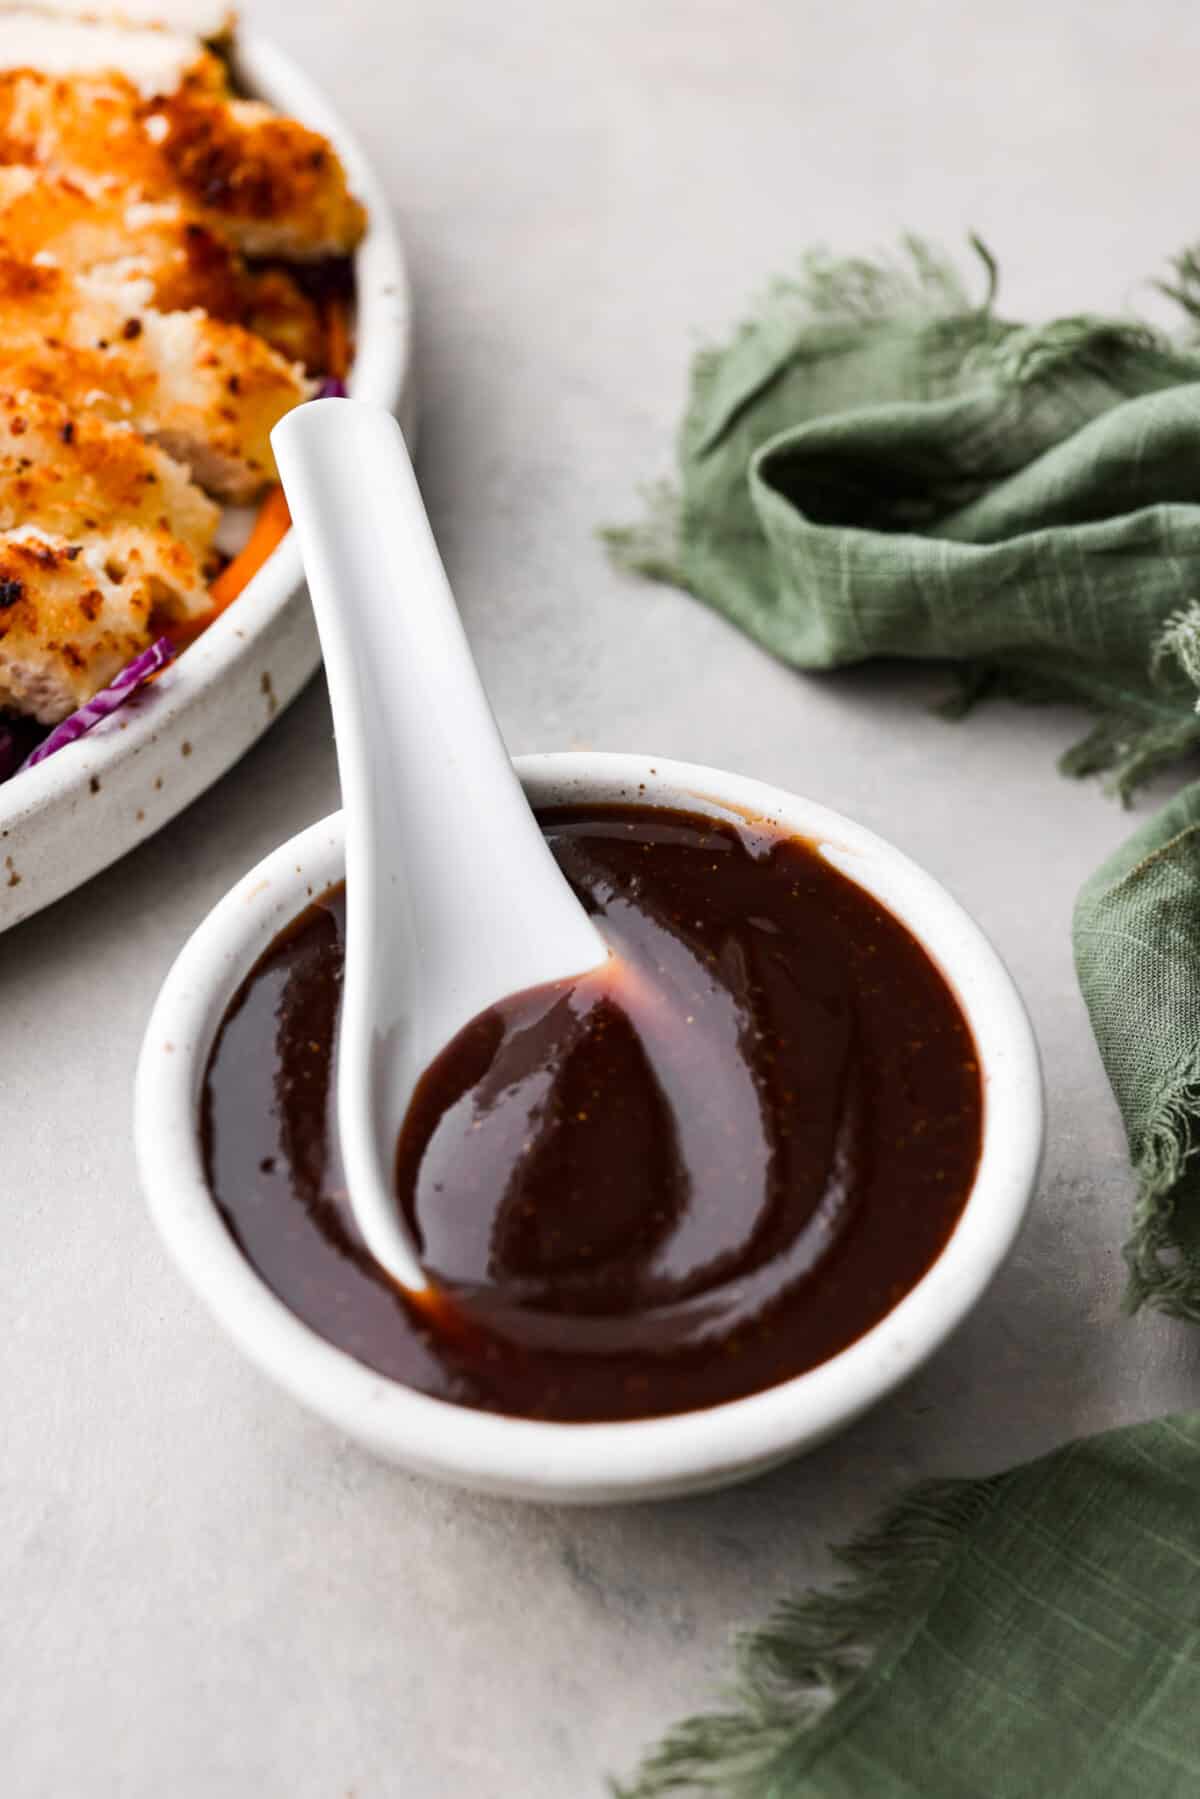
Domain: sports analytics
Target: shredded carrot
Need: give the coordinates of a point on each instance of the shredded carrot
(337, 340)
(272, 525)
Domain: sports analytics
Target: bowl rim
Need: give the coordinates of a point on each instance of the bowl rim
(38, 806)
(603, 1461)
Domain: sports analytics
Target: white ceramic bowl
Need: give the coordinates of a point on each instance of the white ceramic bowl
(71, 816)
(587, 1462)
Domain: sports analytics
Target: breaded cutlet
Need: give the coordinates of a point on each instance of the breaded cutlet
(268, 183)
(75, 475)
(208, 392)
(96, 229)
(71, 617)
(109, 541)
(212, 20)
(153, 62)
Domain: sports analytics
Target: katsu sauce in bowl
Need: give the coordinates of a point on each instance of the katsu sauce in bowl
(680, 1217)
(694, 1174)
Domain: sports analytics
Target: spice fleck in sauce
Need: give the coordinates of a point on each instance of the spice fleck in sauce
(654, 1189)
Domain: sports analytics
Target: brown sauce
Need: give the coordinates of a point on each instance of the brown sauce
(636, 1194)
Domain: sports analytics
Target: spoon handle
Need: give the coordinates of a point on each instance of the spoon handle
(453, 898)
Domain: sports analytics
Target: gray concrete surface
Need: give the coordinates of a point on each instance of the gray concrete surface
(204, 1593)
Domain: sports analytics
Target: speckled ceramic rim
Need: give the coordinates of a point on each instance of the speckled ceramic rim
(594, 1462)
(74, 814)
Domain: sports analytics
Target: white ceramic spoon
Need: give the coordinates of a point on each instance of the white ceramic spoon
(453, 900)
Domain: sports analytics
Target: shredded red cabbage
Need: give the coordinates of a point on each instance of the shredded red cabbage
(109, 700)
(332, 388)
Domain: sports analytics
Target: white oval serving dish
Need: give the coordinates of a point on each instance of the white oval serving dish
(587, 1463)
(74, 814)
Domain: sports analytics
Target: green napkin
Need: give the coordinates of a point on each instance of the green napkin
(876, 466)
(1137, 951)
(1034, 1636)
